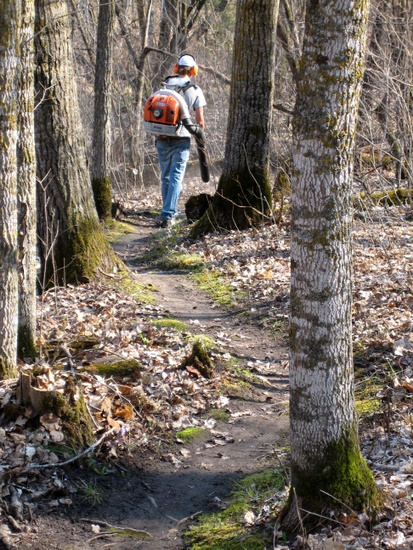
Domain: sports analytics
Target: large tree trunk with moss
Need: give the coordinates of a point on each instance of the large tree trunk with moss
(9, 17)
(73, 245)
(243, 197)
(101, 181)
(26, 188)
(325, 454)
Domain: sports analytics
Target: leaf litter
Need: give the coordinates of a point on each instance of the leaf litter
(158, 398)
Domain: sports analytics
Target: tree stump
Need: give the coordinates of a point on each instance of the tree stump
(199, 361)
(196, 206)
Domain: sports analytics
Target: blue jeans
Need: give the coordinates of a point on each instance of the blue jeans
(173, 157)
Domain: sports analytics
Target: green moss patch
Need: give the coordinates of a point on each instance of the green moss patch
(394, 197)
(76, 423)
(207, 343)
(219, 415)
(142, 293)
(188, 435)
(228, 530)
(367, 406)
(167, 254)
(174, 324)
(118, 369)
(115, 229)
(220, 290)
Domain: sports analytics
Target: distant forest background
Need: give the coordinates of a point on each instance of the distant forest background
(150, 35)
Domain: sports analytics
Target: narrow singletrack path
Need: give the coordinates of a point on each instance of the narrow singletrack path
(172, 493)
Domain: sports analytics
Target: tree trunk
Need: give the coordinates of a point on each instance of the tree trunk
(9, 17)
(73, 245)
(243, 198)
(140, 77)
(26, 165)
(101, 182)
(325, 455)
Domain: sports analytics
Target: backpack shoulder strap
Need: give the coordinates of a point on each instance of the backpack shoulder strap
(187, 86)
(179, 89)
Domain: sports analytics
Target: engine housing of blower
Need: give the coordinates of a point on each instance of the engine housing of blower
(162, 114)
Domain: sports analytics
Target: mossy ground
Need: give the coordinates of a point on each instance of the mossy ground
(366, 401)
(142, 293)
(166, 254)
(219, 415)
(174, 324)
(227, 530)
(393, 197)
(118, 369)
(190, 434)
(115, 229)
(238, 382)
(219, 288)
(76, 423)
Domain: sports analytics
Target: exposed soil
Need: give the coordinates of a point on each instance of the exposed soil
(161, 491)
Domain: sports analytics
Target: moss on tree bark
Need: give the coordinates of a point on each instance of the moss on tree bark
(340, 482)
(102, 193)
(73, 245)
(82, 254)
(7, 369)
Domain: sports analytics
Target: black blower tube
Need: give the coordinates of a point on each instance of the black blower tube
(198, 132)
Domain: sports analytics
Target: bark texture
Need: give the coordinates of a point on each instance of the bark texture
(324, 442)
(243, 197)
(26, 188)
(101, 181)
(73, 245)
(9, 16)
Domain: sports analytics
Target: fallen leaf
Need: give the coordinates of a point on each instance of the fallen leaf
(124, 413)
(249, 518)
(50, 421)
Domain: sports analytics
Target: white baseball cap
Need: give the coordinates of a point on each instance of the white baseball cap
(186, 61)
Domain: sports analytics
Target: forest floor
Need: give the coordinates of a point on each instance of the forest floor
(146, 481)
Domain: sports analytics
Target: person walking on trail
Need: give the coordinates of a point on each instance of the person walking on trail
(173, 151)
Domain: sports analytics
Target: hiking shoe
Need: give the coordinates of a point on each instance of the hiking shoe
(159, 222)
(166, 222)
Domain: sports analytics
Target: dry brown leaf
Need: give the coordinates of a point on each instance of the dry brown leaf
(124, 413)
(106, 406)
(50, 421)
(113, 423)
(192, 370)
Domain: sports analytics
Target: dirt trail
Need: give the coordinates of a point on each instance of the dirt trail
(161, 493)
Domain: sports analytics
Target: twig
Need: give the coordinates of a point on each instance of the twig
(110, 526)
(323, 517)
(189, 518)
(385, 467)
(110, 275)
(300, 519)
(66, 462)
(342, 503)
(91, 416)
(101, 536)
